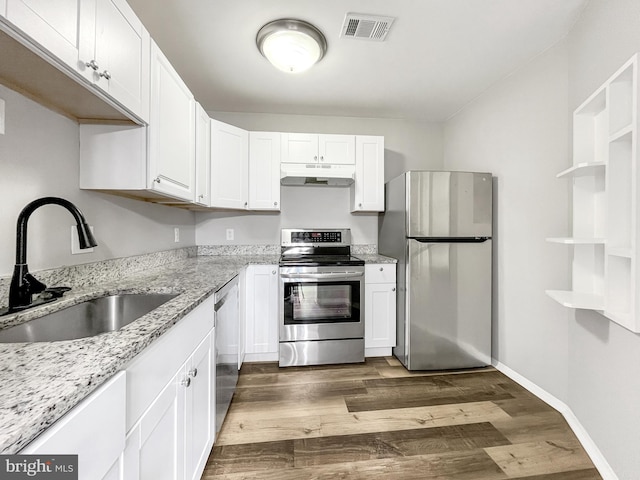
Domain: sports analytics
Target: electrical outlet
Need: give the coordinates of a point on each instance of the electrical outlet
(2, 115)
(230, 234)
(75, 246)
(176, 234)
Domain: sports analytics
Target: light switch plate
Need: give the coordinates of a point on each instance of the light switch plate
(75, 246)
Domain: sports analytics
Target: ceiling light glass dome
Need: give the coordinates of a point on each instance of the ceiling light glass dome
(292, 46)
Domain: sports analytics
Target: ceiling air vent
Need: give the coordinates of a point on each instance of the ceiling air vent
(366, 27)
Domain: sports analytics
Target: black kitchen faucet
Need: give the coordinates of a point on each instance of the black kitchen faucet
(23, 284)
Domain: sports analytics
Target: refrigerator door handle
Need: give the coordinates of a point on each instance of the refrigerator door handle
(452, 240)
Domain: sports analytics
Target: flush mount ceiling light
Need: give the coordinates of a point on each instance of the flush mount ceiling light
(292, 46)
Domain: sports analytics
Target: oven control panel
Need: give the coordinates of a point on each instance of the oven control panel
(333, 237)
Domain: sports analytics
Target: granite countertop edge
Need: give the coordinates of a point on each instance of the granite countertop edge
(35, 394)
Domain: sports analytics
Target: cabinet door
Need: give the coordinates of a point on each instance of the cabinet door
(229, 166)
(171, 131)
(299, 148)
(264, 171)
(263, 303)
(155, 446)
(380, 315)
(54, 25)
(199, 429)
(203, 157)
(122, 53)
(337, 149)
(368, 187)
(75, 433)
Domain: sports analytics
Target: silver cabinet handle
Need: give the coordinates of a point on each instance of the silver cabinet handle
(186, 382)
(106, 74)
(193, 372)
(93, 65)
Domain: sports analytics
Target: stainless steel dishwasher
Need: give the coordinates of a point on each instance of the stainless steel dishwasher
(227, 322)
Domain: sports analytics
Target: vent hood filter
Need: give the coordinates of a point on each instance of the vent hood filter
(366, 27)
(317, 175)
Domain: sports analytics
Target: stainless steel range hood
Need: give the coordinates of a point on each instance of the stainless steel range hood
(317, 174)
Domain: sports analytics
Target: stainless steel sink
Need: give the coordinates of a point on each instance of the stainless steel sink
(100, 315)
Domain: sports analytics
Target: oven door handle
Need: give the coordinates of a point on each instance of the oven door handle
(323, 276)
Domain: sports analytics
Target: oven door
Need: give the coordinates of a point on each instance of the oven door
(321, 303)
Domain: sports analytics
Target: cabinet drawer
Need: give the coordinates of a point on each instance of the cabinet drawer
(380, 273)
(150, 371)
(93, 430)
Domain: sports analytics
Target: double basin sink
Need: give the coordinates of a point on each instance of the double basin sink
(86, 319)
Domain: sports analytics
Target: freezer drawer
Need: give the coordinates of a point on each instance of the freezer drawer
(448, 310)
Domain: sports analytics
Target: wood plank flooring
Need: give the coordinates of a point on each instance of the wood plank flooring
(376, 420)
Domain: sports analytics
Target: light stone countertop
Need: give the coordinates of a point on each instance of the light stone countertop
(40, 382)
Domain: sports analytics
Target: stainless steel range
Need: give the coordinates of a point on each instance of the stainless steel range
(321, 295)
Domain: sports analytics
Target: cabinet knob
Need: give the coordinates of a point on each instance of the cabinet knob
(322, 158)
(93, 65)
(106, 74)
(315, 158)
(156, 180)
(193, 372)
(393, 289)
(246, 203)
(273, 272)
(186, 382)
(201, 196)
(275, 204)
(381, 269)
(360, 205)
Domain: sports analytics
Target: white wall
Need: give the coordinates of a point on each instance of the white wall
(39, 157)
(604, 358)
(408, 145)
(518, 131)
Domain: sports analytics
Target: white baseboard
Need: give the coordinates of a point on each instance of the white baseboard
(261, 357)
(585, 439)
(377, 352)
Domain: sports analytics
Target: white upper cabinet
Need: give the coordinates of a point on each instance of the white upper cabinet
(367, 191)
(313, 148)
(171, 132)
(114, 53)
(101, 40)
(229, 166)
(264, 171)
(53, 25)
(203, 157)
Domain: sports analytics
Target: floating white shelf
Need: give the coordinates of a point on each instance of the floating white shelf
(628, 130)
(576, 241)
(620, 252)
(582, 169)
(570, 299)
(606, 197)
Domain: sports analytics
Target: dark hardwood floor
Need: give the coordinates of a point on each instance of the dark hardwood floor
(378, 421)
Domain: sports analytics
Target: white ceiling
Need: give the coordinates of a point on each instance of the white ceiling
(438, 56)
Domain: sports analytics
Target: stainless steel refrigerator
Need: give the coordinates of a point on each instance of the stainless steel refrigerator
(439, 226)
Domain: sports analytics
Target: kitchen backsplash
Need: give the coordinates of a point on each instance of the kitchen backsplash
(99, 272)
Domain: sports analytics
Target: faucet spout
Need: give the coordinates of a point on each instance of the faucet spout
(23, 284)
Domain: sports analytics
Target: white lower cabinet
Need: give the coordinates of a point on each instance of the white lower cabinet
(75, 433)
(170, 403)
(262, 313)
(380, 309)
